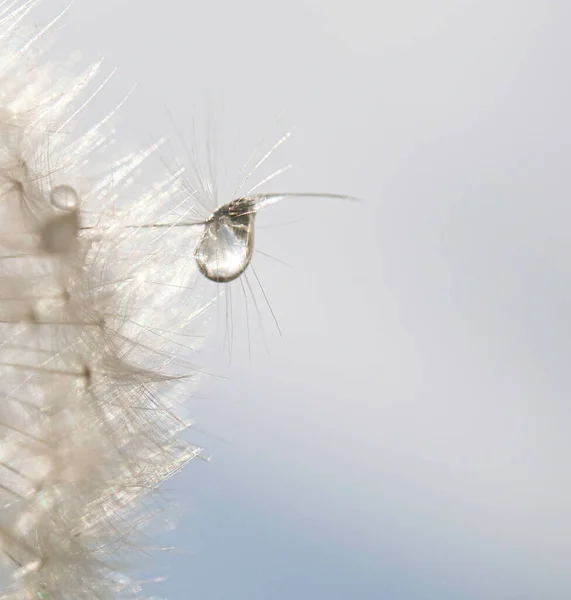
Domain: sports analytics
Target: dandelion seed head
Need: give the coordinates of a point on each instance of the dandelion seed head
(95, 298)
(89, 363)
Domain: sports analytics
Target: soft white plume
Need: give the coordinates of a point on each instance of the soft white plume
(96, 314)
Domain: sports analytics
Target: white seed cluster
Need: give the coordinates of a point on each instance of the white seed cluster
(96, 316)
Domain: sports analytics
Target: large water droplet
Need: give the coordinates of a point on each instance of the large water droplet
(227, 244)
(64, 197)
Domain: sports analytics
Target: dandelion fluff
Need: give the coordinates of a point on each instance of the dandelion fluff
(91, 310)
(100, 293)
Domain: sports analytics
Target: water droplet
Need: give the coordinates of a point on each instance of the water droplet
(226, 247)
(227, 244)
(64, 197)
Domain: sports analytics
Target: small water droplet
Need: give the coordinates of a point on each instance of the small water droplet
(64, 197)
(227, 244)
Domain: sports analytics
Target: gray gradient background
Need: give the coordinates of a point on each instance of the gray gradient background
(408, 436)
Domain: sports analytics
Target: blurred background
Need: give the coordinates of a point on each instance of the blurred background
(406, 437)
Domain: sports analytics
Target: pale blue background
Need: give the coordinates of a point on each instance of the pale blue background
(408, 436)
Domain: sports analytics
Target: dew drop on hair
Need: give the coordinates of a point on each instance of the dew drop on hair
(64, 197)
(227, 244)
(226, 247)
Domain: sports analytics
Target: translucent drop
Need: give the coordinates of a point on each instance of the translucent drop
(64, 197)
(227, 244)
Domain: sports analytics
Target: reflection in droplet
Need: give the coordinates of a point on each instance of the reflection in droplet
(64, 197)
(227, 244)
